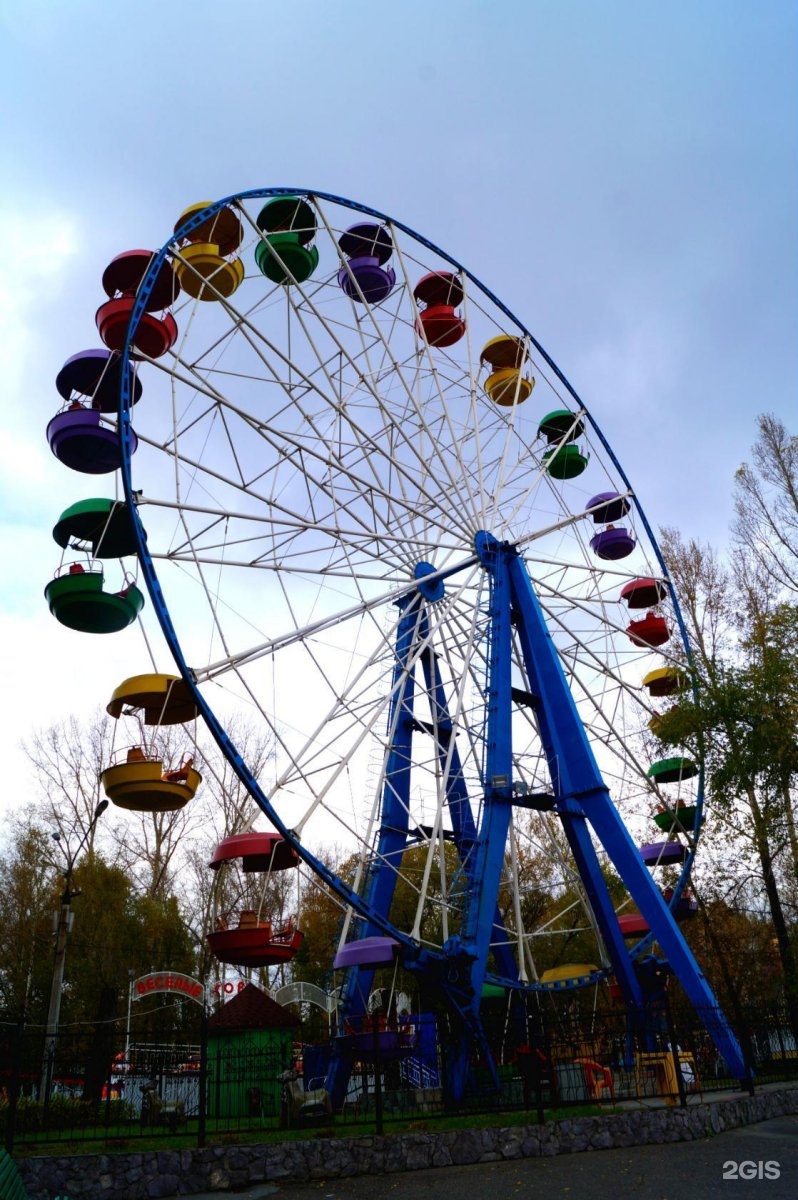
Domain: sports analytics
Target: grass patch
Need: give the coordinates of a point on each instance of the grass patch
(128, 1141)
(494, 1120)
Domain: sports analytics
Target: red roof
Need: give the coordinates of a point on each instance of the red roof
(251, 1009)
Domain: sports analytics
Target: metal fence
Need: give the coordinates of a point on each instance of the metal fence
(540, 1063)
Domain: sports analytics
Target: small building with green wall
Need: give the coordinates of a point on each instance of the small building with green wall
(249, 1046)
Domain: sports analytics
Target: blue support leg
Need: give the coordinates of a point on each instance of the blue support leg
(582, 796)
(457, 800)
(392, 841)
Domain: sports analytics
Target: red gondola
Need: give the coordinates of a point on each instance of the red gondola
(438, 294)
(644, 593)
(248, 938)
(651, 630)
(635, 925)
(121, 280)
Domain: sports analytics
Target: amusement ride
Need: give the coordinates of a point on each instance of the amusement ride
(366, 506)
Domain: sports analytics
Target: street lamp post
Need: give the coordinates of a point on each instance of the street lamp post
(65, 919)
(130, 976)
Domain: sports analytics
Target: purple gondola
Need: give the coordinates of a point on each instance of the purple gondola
(365, 276)
(79, 440)
(663, 854)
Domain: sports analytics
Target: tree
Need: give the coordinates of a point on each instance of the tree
(321, 917)
(66, 760)
(733, 931)
(117, 934)
(741, 719)
(224, 808)
(766, 504)
(26, 915)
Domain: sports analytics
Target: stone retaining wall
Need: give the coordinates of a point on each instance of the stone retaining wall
(159, 1173)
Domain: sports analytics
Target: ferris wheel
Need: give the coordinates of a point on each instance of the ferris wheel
(372, 513)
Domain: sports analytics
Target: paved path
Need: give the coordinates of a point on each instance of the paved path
(676, 1171)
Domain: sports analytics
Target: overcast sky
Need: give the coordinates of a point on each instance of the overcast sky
(621, 173)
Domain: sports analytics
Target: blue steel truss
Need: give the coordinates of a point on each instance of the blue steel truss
(581, 801)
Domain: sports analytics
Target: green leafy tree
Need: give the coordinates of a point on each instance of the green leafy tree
(321, 919)
(740, 719)
(26, 916)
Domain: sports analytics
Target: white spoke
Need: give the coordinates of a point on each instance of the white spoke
(310, 467)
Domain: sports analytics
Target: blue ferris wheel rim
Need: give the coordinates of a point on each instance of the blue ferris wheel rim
(216, 727)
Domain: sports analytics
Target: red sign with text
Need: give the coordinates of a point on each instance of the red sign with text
(169, 981)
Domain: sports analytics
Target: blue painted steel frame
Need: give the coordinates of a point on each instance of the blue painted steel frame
(392, 841)
(458, 803)
(582, 798)
(478, 920)
(413, 644)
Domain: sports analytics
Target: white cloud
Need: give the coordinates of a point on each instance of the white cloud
(34, 267)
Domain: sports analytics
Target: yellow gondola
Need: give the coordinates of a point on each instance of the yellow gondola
(160, 699)
(141, 784)
(506, 385)
(202, 263)
(569, 975)
(664, 681)
(504, 351)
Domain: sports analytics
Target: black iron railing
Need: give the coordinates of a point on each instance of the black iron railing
(541, 1063)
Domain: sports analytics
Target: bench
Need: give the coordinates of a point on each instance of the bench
(11, 1185)
(299, 1105)
(155, 1111)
